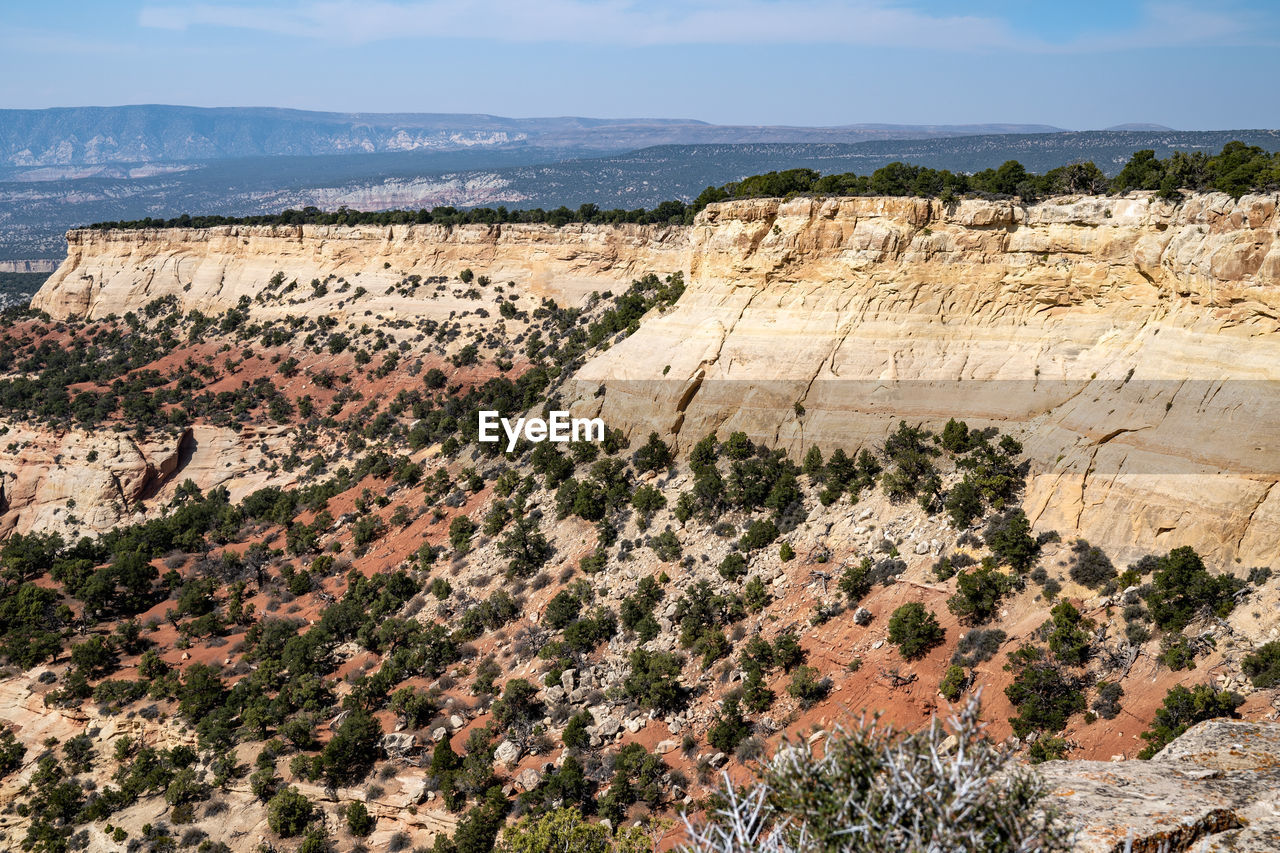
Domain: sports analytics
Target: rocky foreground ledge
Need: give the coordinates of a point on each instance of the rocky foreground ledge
(1216, 788)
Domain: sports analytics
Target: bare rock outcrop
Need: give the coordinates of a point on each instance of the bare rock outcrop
(112, 272)
(1130, 342)
(79, 482)
(1215, 788)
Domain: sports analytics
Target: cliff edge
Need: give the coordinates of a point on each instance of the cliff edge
(1130, 342)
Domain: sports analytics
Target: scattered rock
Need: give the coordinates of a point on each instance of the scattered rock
(508, 753)
(528, 778)
(398, 743)
(608, 726)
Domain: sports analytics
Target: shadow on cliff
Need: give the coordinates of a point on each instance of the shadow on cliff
(187, 447)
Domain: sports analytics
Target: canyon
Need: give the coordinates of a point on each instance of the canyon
(1130, 342)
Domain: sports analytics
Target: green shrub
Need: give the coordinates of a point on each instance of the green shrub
(1177, 654)
(289, 812)
(1181, 589)
(561, 610)
(1050, 748)
(807, 687)
(264, 783)
(461, 529)
(359, 821)
(964, 503)
(1042, 694)
(648, 500)
(914, 630)
(654, 455)
(1107, 702)
(1263, 665)
(955, 436)
(1067, 634)
(855, 581)
(575, 731)
(756, 694)
(729, 728)
(813, 461)
(349, 755)
(759, 533)
(525, 547)
(787, 652)
(913, 473)
(1010, 540)
(666, 546)
(979, 593)
(565, 829)
(733, 566)
(654, 680)
(953, 683)
(518, 706)
(1184, 708)
(755, 595)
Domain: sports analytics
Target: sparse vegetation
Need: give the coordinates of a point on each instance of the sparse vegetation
(1182, 709)
(914, 630)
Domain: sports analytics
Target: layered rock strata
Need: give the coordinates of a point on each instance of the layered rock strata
(1131, 343)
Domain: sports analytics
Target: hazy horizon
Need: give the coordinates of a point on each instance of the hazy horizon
(811, 63)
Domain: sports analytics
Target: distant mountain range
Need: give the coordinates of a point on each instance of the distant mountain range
(67, 167)
(87, 136)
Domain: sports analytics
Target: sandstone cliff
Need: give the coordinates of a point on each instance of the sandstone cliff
(110, 272)
(1131, 342)
(78, 482)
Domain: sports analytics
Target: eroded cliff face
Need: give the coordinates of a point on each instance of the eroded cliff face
(1131, 343)
(110, 272)
(74, 482)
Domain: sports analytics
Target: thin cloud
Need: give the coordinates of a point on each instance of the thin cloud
(871, 23)
(609, 22)
(1179, 24)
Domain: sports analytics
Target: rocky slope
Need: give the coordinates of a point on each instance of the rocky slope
(1130, 342)
(802, 323)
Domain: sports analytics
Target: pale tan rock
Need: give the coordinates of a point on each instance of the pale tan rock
(79, 482)
(1133, 344)
(1130, 343)
(112, 272)
(1215, 788)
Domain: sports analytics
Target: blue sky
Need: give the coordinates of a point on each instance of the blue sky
(1189, 65)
